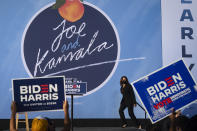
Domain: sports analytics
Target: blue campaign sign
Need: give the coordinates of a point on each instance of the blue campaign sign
(39, 94)
(76, 88)
(166, 88)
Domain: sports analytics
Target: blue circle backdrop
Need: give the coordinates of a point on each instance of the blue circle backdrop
(87, 49)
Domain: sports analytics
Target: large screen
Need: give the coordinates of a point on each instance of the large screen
(109, 39)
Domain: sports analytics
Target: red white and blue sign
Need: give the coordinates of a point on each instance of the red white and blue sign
(75, 87)
(78, 88)
(167, 88)
(39, 94)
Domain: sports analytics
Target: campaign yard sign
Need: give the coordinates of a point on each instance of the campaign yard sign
(75, 87)
(39, 94)
(166, 88)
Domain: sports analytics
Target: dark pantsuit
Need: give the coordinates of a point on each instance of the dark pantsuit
(131, 114)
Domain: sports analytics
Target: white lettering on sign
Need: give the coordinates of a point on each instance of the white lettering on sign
(38, 92)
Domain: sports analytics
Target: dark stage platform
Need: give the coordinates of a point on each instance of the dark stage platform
(98, 129)
(85, 125)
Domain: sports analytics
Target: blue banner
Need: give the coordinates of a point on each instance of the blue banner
(100, 47)
(167, 88)
(39, 94)
(75, 87)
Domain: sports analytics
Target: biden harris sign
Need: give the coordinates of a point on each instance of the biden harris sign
(75, 87)
(39, 94)
(167, 88)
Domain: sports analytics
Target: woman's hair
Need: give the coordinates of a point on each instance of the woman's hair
(122, 78)
(39, 124)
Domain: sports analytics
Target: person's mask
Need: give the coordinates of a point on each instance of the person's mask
(124, 82)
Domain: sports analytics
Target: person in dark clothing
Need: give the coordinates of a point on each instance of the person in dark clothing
(128, 101)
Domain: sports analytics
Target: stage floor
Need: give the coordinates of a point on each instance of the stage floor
(98, 129)
(107, 129)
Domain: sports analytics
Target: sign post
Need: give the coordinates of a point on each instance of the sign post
(72, 112)
(74, 87)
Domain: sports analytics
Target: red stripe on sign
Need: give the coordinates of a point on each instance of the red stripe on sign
(44, 85)
(168, 78)
(171, 84)
(44, 91)
(43, 88)
(170, 81)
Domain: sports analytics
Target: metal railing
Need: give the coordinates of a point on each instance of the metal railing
(144, 114)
